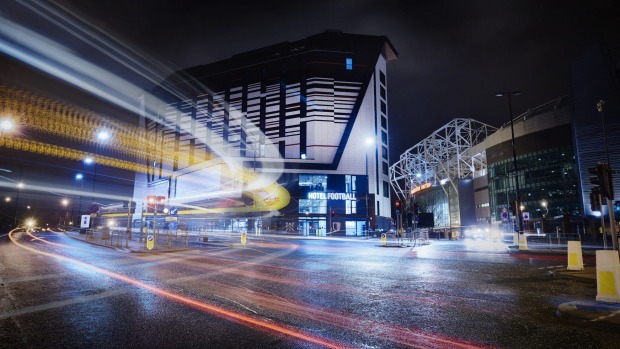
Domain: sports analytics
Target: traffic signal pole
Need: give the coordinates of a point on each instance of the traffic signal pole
(612, 223)
(600, 200)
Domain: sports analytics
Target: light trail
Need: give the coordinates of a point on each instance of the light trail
(413, 337)
(248, 321)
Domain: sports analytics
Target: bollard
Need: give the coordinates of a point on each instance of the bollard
(575, 256)
(522, 242)
(383, 239)
(607, 276)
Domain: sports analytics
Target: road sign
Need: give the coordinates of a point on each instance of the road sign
(173, 211)
(504, 215)
(94, 208)
(85, 222)
(526, 216)
(150, 242)
(171, 219)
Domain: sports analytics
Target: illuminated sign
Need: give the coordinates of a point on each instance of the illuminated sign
(331, 196)
(422, 187)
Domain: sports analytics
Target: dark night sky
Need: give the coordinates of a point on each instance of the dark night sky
(454, 55)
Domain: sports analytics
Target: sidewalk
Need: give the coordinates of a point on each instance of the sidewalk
(122, 244)
(590, 313)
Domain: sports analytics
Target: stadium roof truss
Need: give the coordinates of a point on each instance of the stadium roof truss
(441, 157)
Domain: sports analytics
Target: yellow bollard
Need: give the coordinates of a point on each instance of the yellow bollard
(244, 238)
(607, 276)
(383, 239)
(522, 242)
(575, 256)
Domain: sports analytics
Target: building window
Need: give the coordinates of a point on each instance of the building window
(384, 122)
(384, 137)
(382, 77)
(313, 206)
(349, 63)
(385, 168)
(315, 182)
(384, 153)
(383, 93)
(350, 184)
(383, 107)
(351, 207)
(386, 189)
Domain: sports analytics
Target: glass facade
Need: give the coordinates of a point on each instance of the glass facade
(547, 184)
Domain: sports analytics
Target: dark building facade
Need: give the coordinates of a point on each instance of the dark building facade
(595, 78)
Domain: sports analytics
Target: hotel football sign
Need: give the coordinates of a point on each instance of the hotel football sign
(331, 196)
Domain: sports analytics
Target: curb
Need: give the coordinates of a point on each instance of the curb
(600, 315)
(586, 275)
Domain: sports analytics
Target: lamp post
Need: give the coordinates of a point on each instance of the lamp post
(78, 177)
(544, 205)
(89, 161)
(64, 203)
(369, 142)
(19, 186)
(514, 159)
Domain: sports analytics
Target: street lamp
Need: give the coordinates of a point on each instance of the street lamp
(544, 205)
(6, 125)
(514, 156)
(103, 135)
(20, 185)
(64, 203)
(369, 142)
(78, 177)
(90, 161)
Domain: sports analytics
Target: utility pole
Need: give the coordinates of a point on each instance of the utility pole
(608, 183)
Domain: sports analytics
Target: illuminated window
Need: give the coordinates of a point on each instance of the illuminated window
(350, 185)
(349, 63)
(351, 207)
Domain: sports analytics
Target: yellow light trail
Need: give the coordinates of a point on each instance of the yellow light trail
(41, 114)
(45, 115)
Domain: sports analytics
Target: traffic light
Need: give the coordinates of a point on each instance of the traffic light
(130, 205)
(416, 209)
(333, 213)
(600, 177)
(397, 205)
(595, 205)
(155, 203)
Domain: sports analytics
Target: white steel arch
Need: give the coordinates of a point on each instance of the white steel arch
(442, 156)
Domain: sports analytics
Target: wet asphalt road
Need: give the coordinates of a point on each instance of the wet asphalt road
(286, 293)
